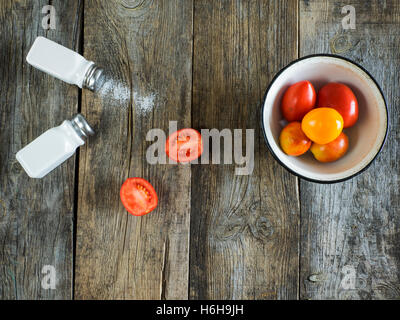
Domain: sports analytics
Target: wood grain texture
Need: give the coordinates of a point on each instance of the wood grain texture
(353, 227)
(147, 51)
(215, 235)
(36, 215)
(244, 229)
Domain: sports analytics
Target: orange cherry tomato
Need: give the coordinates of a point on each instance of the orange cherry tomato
(322, 125)
(331, 151)
(293, 140)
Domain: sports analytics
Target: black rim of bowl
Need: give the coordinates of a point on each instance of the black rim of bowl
(265, 136)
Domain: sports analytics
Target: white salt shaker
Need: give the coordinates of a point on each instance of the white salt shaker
(63, 63)
(54, 146)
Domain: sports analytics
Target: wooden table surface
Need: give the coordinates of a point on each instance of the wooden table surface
(214, 235)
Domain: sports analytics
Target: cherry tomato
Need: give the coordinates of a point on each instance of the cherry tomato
(298, 99)
(339, 97)
(293, 140)
(184, 145)
(138, 196)
(322, 125)
(331, 151)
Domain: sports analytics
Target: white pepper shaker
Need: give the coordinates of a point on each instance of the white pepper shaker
(54, 146)
(63, 63)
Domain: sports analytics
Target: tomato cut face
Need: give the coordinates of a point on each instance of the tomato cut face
(184, 145)
(138, 196)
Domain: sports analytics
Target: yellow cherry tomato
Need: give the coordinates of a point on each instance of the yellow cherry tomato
(322, 125)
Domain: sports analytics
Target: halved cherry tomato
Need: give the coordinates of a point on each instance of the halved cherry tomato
(184, 145)
(297, 100)
(293, 141)
(138, 196)
(322, 125)
(339, 97)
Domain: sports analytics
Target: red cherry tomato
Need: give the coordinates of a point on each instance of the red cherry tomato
(340, 97)
(184, 145)
(138, 196)
(298, 100)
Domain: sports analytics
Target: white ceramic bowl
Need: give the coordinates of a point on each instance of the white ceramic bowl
(366, 137)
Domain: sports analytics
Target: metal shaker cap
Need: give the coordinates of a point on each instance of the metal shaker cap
(91, 77)
(81, 126)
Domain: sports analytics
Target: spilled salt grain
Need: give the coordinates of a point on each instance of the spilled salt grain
(114, 90)
(117, 92)
(144, 104)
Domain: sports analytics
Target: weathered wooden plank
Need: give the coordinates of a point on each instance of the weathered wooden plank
(244, 229)
(351, 229)
(147, 51)
(36, 215)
